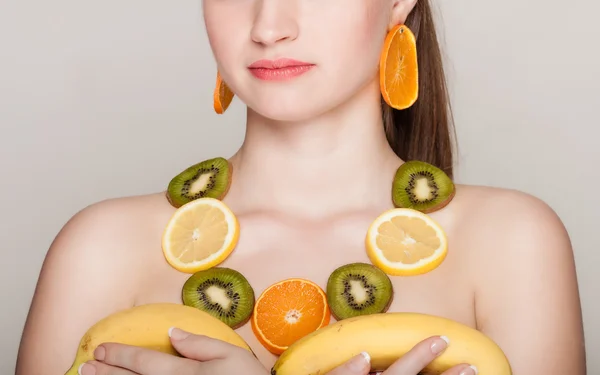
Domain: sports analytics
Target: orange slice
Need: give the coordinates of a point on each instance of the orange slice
(399, 72)
(404, 242)
(222, 95)
(287, 311)
(200, 235)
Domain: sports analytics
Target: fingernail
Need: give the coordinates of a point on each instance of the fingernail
(86, 369)
(100, 353)
(360, 362)
(439, 345)
(471, 370)
(177, 334)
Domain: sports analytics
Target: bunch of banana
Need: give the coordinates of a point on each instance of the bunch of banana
(387, 337)
(148, 325)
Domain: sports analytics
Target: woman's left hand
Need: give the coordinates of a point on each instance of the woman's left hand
(202, 356)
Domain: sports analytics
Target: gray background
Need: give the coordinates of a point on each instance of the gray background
(100, 99)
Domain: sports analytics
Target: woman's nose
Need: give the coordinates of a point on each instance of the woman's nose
(275, 21)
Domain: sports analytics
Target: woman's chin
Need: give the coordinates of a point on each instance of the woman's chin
(289, 111)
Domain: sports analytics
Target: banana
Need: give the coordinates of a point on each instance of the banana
(148, 325)
(387, 337)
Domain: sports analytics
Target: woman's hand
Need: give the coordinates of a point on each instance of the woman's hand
(410, 364)
(203, 356)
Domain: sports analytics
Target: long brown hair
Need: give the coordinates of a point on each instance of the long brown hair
(424, 131)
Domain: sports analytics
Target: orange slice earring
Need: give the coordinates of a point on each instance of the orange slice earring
(398, 68)
(222, 95)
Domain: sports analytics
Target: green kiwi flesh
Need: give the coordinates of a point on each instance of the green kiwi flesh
(208, 179)
(358, 289)
(222, 292)
(422, 186)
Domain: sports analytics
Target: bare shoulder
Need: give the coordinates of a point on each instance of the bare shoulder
(507, 209)
(510, 228)
(91, 269)
(121, 209)
(526, 291)
(109, 231)
(109, 237)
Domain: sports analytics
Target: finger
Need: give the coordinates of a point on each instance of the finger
(99, 368)
(462, 369)
(200, 348)
(139, 360)
(357, 365)
(419, 356)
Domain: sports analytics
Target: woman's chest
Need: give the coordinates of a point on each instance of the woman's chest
(269, 253)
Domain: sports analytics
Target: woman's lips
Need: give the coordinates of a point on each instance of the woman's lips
(279, 70)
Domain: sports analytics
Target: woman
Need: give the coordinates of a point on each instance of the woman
(510, 273)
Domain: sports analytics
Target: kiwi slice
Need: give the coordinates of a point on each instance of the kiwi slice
(422, 186)
(207, 179)
(358, 289)
(222, 292)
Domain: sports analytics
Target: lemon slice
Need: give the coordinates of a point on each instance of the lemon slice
(405, 242)
(200, 235)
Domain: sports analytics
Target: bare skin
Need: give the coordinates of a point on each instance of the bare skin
(305, 191)
(507, 249)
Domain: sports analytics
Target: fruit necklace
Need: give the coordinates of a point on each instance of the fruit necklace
(203, 232)
(291, 317)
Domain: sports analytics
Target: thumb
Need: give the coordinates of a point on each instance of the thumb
(198, 347)
(357, 365)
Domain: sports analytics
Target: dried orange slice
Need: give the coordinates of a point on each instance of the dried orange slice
(404, 242)
(200, 235)
(287, 311)
(222, 95)
(399, 72)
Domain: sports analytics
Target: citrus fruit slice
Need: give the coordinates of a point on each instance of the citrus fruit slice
(399, 71)
(200, 235)
(404, 242)
(222, 95)
(287, 311)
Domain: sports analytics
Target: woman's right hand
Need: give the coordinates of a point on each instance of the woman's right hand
(411, 363)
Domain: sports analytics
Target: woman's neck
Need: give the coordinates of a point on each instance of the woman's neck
(336, 162)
